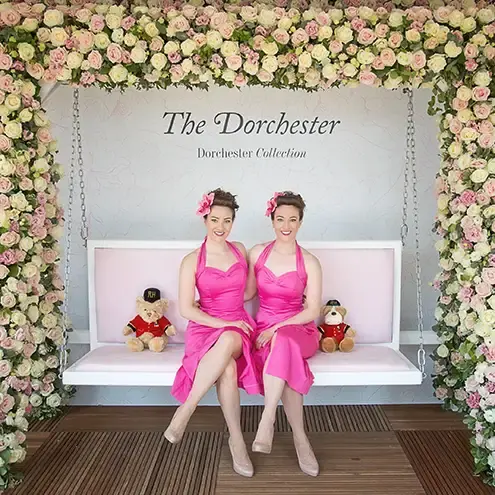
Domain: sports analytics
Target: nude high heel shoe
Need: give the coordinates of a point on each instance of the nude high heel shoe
(263, 447)
(242, 468)
(307, 460)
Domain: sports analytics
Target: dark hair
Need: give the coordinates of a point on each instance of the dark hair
(289, 198)
(224, 198)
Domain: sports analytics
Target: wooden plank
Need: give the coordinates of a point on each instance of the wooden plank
(46, 424)
(350, 464)
(137, 418)
(422, 417)
(322, 419)
(187, 468)
(443, 462)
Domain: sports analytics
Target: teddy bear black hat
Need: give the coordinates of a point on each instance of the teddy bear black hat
(333, 302)
(151, 295)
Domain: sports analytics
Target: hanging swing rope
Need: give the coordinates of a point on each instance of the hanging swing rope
(76, 157)
(411, 172)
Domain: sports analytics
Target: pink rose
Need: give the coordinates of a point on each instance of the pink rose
(226, 30)
(114, 53)
(127, 23)
(39, 232)
(441, 393)
(367, 77)
(29, 350)
(351, 49)
(6, 83)
(5, 143)
(485, 127)
(51, 297)
(21, 169)
(489, 52)
(299, 37)
(5, 61)
(366, 36)
(322, 18)
(9, 239)
(10, 17)
(87, 79)
(486, 140)
(473, 233)
(481, 93)
(5, 185)
(418, 60)
(312, 29)
(44, 135)
(473, 400)
(234, 62)
(156, 44)
(455, 126)
(84, 41)
(7, 404)
(202, 20)
(175, 57)
(95, 60)
(465, 294)
(471, 65)
(58, 56)
(200, 39)
(4, 202)
(240, 80)
(483, 289)
(35, 70)
(445, 300)
(488, 275)
(395, 39)
(468, 197)
(49, 256)
(281, 36)
(459, 105)
(489, 187)
(335, 46)
(97, 23)
(381, 30)
(482, 110)
(378, 64)
(478, 163)
(482, 198)
(470, 50)
(387, 56)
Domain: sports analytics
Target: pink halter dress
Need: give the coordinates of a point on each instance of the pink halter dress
(221, 296)
(280, 299)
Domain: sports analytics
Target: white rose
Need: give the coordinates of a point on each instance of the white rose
(267, 18)
(12, 102)
(6, 166)
(19, 201)
(490, 415)
(37, 368)
(395, 19)
(229, 48)
(343, 34)
(158, 61)
(24, 369)
(35, 400)
(270, 63)
(305, 60)
(113, 21)
(102, 41)
(319, 52)
(214, 39)
(452, 50)
(51, 361)
(49, 321)
(53, 17)
(151, 30)
(58, 36)
(437, 63)
(486, 16)
(138, 55)
(130, 39)
(468, 25)
(171, 47)
(33, 314)
(13, 130)
(442, 351)
(451, 320)
(479, 176)
(482, 78)
(329, 71)
(74, 60)
(18, 318)
(30, 270)
(118, 73)
(488, 316)
(188, 47)
(53, 400)
(25, 115)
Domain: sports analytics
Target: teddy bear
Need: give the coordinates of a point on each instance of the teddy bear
(151, 328)
(336, 334)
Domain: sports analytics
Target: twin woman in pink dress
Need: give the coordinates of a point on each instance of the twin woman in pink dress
(224, 346)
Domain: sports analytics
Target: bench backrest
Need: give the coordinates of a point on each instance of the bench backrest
(364, 276)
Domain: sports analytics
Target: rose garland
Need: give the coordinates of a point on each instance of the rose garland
(447, 49)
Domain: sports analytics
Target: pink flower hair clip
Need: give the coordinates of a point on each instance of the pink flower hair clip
(205, 204)
(271, 205)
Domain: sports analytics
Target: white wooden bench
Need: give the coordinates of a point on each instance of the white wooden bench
(364, 276)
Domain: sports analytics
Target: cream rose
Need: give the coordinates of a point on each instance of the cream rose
(102, 41)
(452, 50)
(269, 63)
(158, 61)
(138, 55)
(229, 48)
(53, 17)
(482, 78)
(319, 52)
(188, 47)
(343, 34)
(267, 18)
(437, 63)
(26, 51)
(479, 176)
(214, 39)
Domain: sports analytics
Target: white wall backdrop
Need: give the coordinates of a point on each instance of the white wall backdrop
(144, 184)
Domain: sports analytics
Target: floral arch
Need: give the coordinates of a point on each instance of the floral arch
(405, 43)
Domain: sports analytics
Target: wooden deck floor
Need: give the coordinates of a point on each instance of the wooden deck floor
(396, 450)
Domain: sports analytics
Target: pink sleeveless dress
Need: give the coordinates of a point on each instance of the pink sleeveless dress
(221, 296)
(281, 298)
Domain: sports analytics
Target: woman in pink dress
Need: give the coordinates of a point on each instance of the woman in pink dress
(219, 334)
(288, 281)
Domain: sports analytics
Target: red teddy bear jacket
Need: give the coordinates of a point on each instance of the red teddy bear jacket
(156, 328)
(336, 332)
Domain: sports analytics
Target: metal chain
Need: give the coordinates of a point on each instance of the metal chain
(84, 220)
(404, 229)
(68, 237)
(411, 164)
